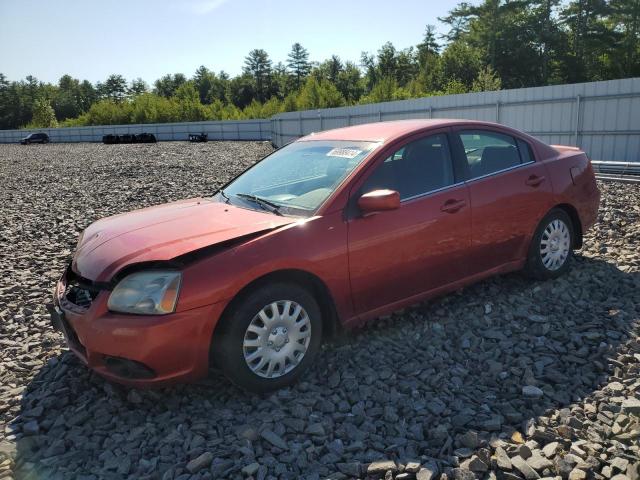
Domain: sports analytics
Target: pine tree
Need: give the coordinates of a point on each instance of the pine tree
(258, 65)
(298, 63)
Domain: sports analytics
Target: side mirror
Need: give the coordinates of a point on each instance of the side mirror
(379, 200)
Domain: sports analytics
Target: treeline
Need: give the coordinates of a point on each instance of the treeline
(496, 44)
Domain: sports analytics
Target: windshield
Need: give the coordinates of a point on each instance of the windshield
(297, 178)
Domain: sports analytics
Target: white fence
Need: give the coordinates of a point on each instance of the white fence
(603, 118)
(229, 130)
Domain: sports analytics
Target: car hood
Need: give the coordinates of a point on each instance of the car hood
(164, 232)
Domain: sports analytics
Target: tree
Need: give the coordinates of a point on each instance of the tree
(461, 62)
(625, 16)
(298, 63)
(138, 87)
(486, 81)
(429, 45)
(114, 88)
(371, 76)
(258, 65)
(242, 90)
(590, 38)
(387, 61)
(203, 80)
(330, 69)
(167, 85)
(407, 66)
(43, 114)
(282, 82)
(349, 83)
(318, 94)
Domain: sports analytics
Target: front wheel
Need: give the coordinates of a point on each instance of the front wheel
(269, 337)
(551, 246)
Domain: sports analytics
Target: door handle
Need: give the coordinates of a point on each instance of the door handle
(452, 206)
(534, 180)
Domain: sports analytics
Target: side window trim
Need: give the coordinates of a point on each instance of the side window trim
(431, 192)
(498, 172)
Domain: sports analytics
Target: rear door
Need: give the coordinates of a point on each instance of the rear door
(422, 245)
(510, 192)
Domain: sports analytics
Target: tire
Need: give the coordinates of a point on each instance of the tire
(240, 340)
(555, 228)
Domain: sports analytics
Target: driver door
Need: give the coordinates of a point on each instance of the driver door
(423, 245)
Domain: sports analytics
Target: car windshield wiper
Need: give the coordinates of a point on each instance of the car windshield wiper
(263, 202)
(224, 195)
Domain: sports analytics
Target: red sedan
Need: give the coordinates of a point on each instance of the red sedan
(327, 232)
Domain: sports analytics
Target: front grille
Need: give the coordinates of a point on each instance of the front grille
(79, 291)
(79, 295)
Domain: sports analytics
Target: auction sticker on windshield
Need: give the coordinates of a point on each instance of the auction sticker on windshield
(344, 152)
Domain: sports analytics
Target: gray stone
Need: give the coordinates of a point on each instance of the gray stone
(502, 459)
(274, 439)
(31, 428)
(316, 429)
(531, 391)
(351, 469)
(631, 405)
(381, 467)
(475, 464)
(251, 469)
(577, 474)
(538, 462)
(200, 462)
(620, 464)
(550, 449)
(524, 468)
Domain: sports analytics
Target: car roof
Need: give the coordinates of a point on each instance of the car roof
(388, 131)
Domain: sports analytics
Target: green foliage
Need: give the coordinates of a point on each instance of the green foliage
(461, 63)
(167, 85)
(258, 65)
(114, 88)
(318, 94)
(486, 81)
(490, 44)
(298, 63)
(43, 115)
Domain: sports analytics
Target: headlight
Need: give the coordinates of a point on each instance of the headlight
(147, 293)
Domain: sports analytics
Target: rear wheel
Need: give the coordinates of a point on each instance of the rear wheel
(269, 337)
(551, 247)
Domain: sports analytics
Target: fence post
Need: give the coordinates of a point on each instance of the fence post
(348, 119)
(260, 128)
(300, 131)
(238, 130)
(430, 111)
(379, 115)
(577, 129)
(321, 121)
(497, 112)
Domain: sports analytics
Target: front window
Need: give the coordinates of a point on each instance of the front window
(419, 167)
(298, 178)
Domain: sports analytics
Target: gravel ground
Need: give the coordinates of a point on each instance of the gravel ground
(508, 379)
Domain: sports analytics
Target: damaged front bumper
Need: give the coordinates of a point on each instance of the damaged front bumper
(136, 350)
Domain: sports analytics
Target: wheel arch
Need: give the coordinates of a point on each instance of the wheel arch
(575, 221)
(310, 281)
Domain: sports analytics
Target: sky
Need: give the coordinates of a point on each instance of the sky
(91, 39)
